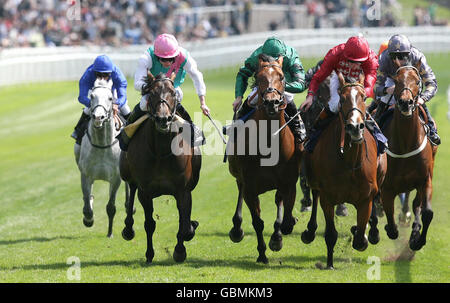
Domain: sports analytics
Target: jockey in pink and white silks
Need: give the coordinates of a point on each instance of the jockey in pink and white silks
(167, 57)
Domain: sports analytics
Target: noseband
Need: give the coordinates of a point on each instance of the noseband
(152, 111)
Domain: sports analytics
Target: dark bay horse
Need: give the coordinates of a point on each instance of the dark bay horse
(344, 167)
(160, 161)
(410, 157)
(252, 177)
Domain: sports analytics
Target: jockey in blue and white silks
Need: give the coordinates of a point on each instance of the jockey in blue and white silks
(103, 68)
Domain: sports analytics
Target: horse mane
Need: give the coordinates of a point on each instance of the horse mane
(148, 83)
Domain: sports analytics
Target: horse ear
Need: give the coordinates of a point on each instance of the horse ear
(341, 79)
(361, 78)
(173, 76)
(280, 60)
(150, 76)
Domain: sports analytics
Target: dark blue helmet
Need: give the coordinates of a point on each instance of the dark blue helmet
(103, 64)
(399, 44)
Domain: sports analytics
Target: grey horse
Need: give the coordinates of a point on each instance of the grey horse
(98, 155)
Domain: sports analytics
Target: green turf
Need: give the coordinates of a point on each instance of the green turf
(41, 207)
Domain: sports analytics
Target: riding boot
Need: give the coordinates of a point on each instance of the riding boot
(372, 106)
(432, 131)
(197, 137)
(381, 108)
(123, 138)
(80, 128)
(296, 125)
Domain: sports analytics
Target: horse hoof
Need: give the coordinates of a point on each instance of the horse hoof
(415, 242)
(275, 244)
(374, 236)
(405, 219)
(179, 257)
(360, 245)
(392, 232)
(195, 224)
(262, 259)
(341, 210)
(236, 235)
(88, 223)
(128, 234)
(110, 235)
(308, 237)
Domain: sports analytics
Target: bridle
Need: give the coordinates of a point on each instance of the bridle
(345, 116)
(108, 111)
(279, 103)
(415, 98)
(152, 110)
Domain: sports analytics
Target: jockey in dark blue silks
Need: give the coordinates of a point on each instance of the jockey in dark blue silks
(400, 48)
(103, 68)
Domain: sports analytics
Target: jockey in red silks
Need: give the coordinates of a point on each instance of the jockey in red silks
(351, 59)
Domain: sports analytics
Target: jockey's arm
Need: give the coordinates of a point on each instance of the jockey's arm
(120, 83)
(245, 72)
(199, 84)
(144, 63)
(428, 80)
(84, 86)
(379, 88)
(297, 76)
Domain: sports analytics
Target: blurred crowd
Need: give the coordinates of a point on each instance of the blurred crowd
(38, 23)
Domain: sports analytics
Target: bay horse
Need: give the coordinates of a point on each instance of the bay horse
(161, 161)
(98, 155)
(344, 167)
(410, 157)
(252, 177)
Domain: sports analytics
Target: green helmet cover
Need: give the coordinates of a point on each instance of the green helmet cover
(274, 47)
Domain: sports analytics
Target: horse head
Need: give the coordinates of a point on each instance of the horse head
(161, 101)
(352, 107)
(270, 81)
(407, 88)
(101, 102)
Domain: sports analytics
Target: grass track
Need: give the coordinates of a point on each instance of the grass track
(41, 207)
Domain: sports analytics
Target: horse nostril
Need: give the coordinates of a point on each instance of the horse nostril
(411, 102)
(361, 126)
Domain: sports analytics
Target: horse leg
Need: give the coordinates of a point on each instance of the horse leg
(416, 242)
(388, 206)
(86, 187)
(127, 198)
(288, 220)
(374, 234)
(149, 224)
(111, 206)
(276, 240)
(253, 204)
(186, 227)
(331, 233)
(236, 233)
(306, 190)
(128, 232)
(359, 231)
(405, 216)
(310, 233)
(341, 210)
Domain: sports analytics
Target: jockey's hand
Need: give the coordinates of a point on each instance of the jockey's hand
(307, 103)
(420, 101)
(205, 109)
(115, 109)
(237, 103)
(390, 90)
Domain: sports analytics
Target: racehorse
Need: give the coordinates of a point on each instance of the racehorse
(98, 155)
(252, 178)
(161, 161)
(410, 157)
(344, 167)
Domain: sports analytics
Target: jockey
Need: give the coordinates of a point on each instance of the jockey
(294, 76)
(101, 68)
(399, 47)
(351, 59)
(166, 56)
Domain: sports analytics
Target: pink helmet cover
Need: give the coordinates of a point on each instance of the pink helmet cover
(166, 46)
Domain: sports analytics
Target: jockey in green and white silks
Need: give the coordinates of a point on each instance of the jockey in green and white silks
(294, 75)
(166, 57)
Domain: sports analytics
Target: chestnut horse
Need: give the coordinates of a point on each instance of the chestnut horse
(160, 161)
(252, 177)
(410, 157)
(344, 167)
